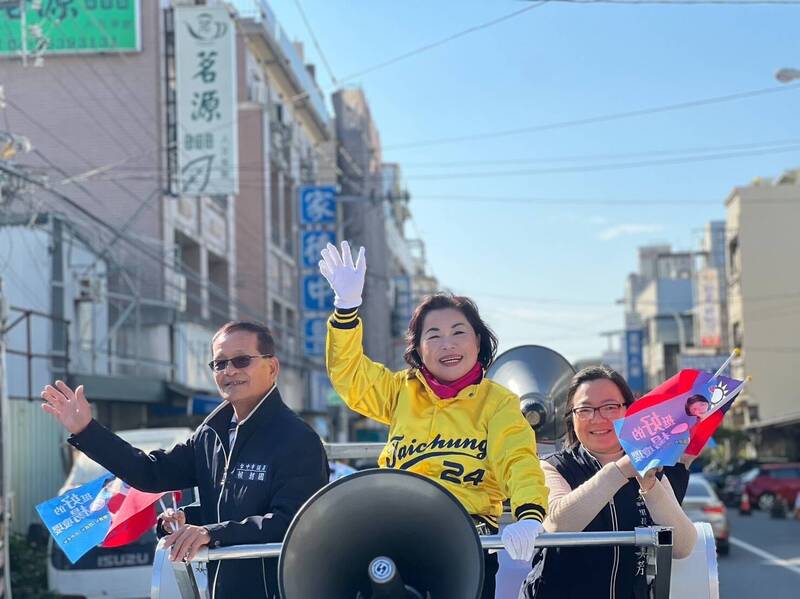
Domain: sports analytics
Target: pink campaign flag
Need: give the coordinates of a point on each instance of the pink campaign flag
(679, 416)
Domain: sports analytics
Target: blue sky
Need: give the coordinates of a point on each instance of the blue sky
(549, 272)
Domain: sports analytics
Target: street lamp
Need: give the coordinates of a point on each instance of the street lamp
(787, 75)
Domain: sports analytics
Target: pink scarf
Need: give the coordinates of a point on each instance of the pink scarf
(450, 390)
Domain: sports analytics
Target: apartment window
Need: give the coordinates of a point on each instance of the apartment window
(735, 257)
(291, 334)
(218, 288)
(738, 334)
(288, 217)
(275, 206)
(188, 263)
(277, 323)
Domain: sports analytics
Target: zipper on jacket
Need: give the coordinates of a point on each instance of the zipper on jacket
(615, 565)
(219, 499)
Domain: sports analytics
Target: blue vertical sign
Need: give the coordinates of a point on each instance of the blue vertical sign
(317, 205)
(311, 244)
(317, 216)
(317, 294)
(634, 366)
(314, 332)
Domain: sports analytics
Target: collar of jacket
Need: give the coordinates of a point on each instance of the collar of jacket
(220, 418)
(466, 393)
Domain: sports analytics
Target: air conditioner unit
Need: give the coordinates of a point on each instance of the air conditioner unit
(176, 290)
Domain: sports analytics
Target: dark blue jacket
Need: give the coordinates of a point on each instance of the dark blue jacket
(247, 495)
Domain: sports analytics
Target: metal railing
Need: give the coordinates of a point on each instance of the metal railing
(656, 539)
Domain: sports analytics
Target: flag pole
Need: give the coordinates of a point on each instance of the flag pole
(734, 353)
(164, 507)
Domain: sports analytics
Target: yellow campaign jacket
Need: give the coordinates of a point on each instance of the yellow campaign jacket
(477, 445)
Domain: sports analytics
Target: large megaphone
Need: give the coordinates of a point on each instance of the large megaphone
(381, 533)
(540, 376)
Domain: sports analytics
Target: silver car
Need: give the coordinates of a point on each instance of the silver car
(701, 504)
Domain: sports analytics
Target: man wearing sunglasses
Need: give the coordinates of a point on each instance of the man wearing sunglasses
(253, 460)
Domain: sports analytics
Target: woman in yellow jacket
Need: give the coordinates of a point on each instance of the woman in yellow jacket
(446, 420)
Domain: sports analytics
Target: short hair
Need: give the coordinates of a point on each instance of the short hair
(587, 375)
(265, 340)
(697, 398)
(441, 301)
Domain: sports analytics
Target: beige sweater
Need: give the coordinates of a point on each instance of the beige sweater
(571, 510)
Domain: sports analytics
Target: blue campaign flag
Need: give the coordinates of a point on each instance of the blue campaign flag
(679, 416)
(79, 519)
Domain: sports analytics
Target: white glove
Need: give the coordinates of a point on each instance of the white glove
(519, 539)
(345, 278)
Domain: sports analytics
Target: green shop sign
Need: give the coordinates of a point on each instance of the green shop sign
(70, 26)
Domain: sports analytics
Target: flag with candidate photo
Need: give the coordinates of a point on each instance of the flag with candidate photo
(105, 511)
(679, 416)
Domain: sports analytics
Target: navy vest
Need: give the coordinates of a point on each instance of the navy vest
(589, 572)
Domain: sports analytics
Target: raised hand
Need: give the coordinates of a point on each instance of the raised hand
(69, 407)
(345, 278)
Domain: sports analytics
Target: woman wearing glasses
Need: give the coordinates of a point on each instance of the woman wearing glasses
(594, 487)
(446, 420)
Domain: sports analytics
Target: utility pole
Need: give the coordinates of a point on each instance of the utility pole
(5, 471)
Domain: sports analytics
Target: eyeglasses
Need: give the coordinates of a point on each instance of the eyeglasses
(609, 411)
(238, 362)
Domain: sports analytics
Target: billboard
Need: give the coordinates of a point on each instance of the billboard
(70, 27)
(709, 310)
(205, 101)
(634, 364)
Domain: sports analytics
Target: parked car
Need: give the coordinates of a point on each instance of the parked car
(702, 504)
(728, 480)
(769, 482)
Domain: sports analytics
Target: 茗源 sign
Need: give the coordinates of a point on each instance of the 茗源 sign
(70, 27)
(205, 96)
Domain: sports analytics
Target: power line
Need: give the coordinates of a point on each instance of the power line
(615, 116)
(316, 42)
(691, 159)
(609, 156)
(775, 145)
(441, 42)
(604, 167)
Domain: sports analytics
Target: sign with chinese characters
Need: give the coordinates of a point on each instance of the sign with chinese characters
(317, 218)
(709, 313)
(311, 244)
(317, 205)
(634, 368)
(317, 294)
(314, 331)
(70, 27)
(78, 520)
(205, 99)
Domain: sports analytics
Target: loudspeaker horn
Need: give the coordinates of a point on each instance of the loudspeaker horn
(540, 376)
(398, 516)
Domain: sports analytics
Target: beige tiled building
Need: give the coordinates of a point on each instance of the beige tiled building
(764, 308)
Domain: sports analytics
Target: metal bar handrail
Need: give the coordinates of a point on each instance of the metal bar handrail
(652, 536)
(353, 451)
